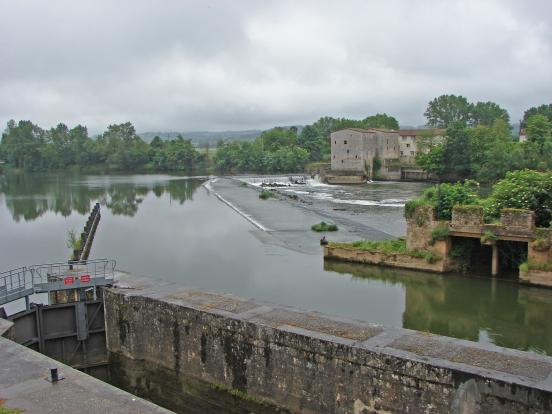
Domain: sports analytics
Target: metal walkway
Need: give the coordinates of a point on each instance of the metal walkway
(25, 281)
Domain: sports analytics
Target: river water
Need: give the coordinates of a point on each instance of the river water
(173, 228)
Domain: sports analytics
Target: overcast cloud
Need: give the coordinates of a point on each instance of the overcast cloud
(183, 65)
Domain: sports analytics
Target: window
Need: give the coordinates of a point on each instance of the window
(407, 145)
(345, 142)
(335, 142)
(347, 151)
(341, 161)
(402, 153)
(411, 152)
(334, 156)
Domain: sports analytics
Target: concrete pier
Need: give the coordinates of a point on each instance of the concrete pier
(24, 386)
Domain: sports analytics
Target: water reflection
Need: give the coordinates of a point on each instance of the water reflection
(29, 196)
(484, 310)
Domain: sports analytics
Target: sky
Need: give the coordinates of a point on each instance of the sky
(233, 65)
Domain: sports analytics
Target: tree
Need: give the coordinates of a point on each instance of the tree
(456, 155)
(545, 110)
(380, 121)
(485, 113)
(311, 140)
(539, 129)
(445, 110)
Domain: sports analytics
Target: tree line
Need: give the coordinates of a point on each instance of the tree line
(28, 147)
(479, 142)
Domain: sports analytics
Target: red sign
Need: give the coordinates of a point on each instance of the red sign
(69, 280)
(85, 279)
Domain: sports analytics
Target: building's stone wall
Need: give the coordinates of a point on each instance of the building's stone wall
(164, 339)
(345, 179)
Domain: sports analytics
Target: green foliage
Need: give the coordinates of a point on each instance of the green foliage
(525, 189)
(31, 148)
(73, 242)
(322, 226)
(445, 110)
(445, 196)
(545, 110)
(440, 232)
(488, 237)
(544, 267)
(396, 246)
(6, 410)
(376, 165)
(539, 130)
(485, 113)
(382, 246)
(266, 194)
(412, 205)
(456, 154)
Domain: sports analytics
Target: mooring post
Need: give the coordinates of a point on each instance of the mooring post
(494, 270)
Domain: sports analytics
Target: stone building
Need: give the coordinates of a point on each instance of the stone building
(359, 154)
(355, 152)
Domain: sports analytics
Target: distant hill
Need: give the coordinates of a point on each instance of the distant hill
(200, 138)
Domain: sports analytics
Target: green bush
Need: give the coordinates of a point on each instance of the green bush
(444, 197)
(488, 236)
(439, 233)
(322, 226)
(266, 194)
(525, 189)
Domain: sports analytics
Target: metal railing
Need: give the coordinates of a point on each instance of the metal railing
(25, 281)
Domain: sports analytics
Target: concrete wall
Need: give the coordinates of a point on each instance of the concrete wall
(164, 339)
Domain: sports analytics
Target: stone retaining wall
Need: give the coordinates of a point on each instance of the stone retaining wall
(404, 260)
(164, 339)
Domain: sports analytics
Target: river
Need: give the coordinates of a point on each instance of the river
(174, 228)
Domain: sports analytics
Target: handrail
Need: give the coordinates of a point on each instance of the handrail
(25, 281)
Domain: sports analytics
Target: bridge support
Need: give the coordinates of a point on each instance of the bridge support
(494, 268)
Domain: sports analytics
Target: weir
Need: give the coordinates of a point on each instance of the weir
(194, 351)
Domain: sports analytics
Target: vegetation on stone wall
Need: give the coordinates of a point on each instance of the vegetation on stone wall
(521, 190)
(389, 247)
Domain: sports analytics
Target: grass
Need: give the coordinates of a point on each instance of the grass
(397, 246)
(6, 410)
(243, 184)
(323, 226)
(266, 194)
(440, 232)
(526, 266)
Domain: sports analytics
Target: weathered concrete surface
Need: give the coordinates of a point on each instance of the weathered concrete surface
(307, 362)
(23, 385)
(288, 222)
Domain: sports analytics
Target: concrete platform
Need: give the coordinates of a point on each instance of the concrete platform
(23, 386)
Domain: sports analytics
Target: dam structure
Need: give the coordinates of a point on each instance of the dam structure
(194, 351)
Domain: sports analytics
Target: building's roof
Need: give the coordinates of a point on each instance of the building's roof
(369, 130)
(415, 132)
